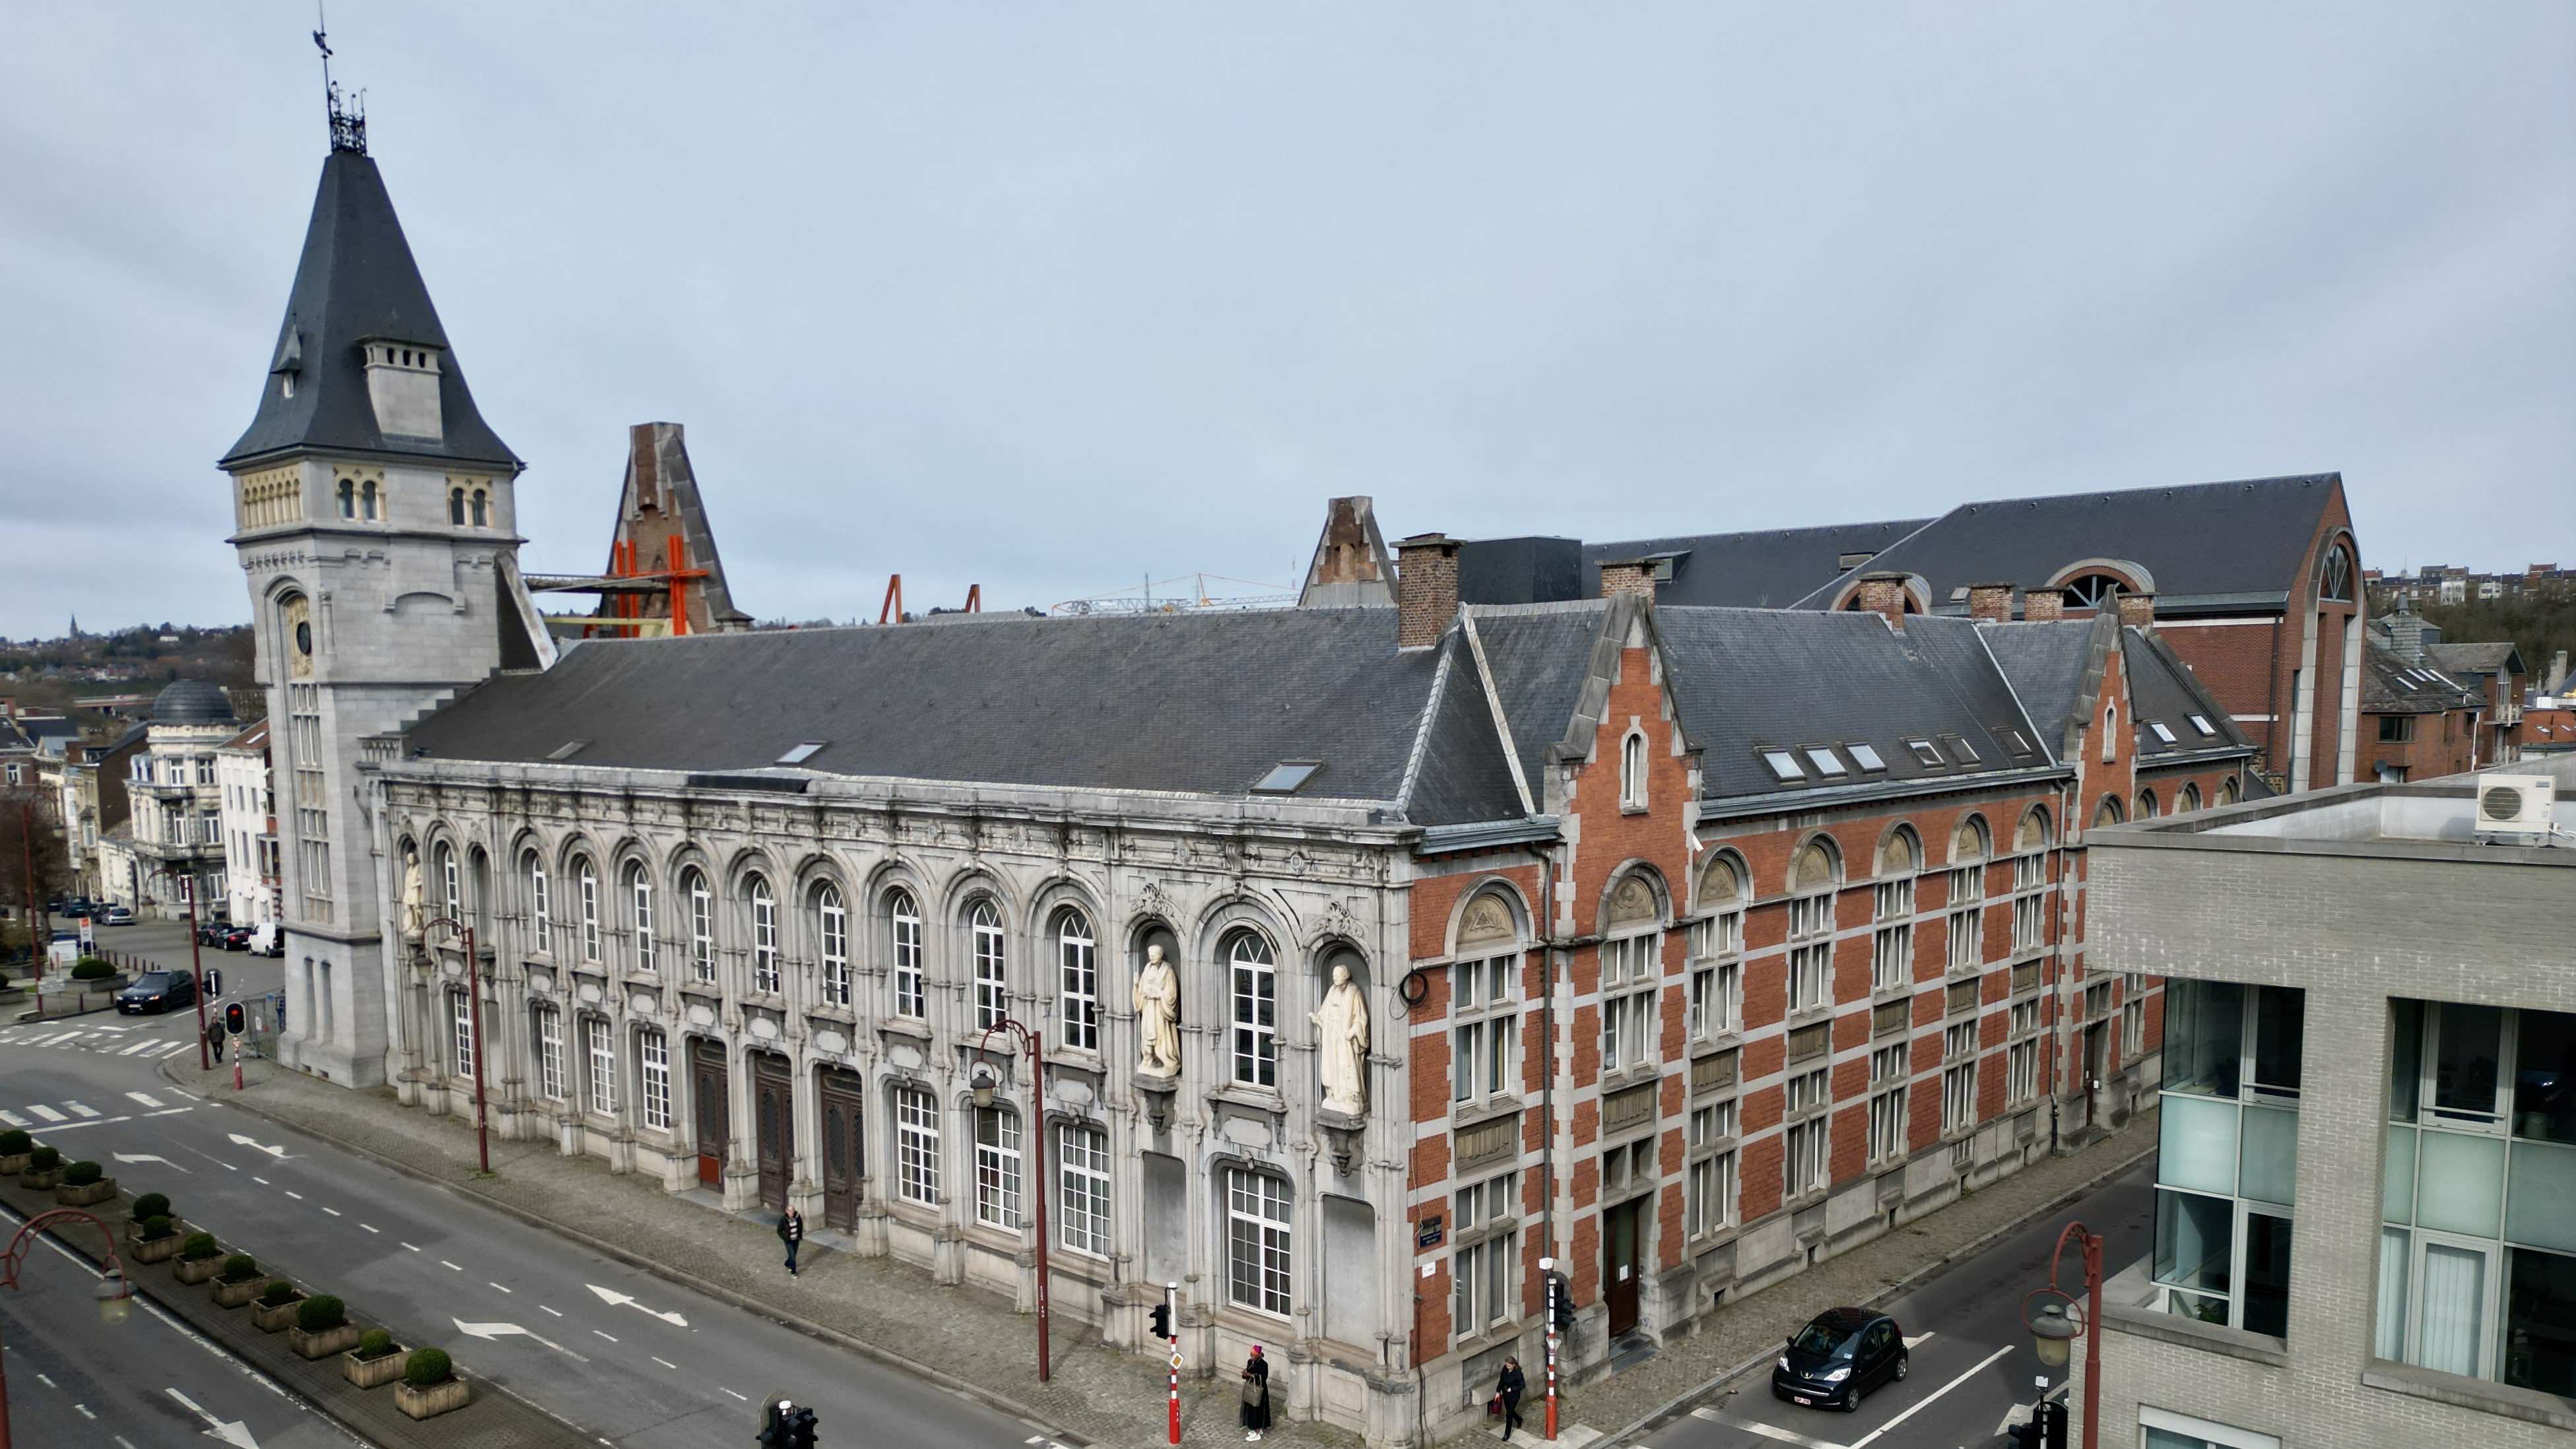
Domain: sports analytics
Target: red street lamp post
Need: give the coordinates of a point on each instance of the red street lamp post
(2053, 1332)
(112, 1292)
(474, 1029)
(197, 979)
(1034, 1044)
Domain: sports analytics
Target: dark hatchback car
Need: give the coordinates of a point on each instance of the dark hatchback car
(1840, 1356)
(236, 938)
(157, 991)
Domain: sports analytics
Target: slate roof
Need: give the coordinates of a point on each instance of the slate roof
(2206, 544)
(1770, 568)
(2473, 658)
(1539, 657)
(2390, 685)
(2045, 661)
(2163, 689)
(356, 280)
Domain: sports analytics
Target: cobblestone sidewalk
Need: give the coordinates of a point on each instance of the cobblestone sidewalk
(971, 1340)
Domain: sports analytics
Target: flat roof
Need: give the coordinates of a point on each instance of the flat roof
(2432, 820)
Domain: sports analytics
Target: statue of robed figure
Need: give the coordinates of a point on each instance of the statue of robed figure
(1342, 1044)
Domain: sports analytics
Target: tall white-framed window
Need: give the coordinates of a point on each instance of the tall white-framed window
(1891, 944)
(2030, 903)
(547, 1029)
(653, 1076)
(540, 902)
(1887, 1094)
(1806, 1160)
(1709, 1188)
(1258, 1242)
(916, 1146)
(1632, 771)
(2133, 1024)
(1967, 931)
(1078, 980)
(601, 1039)
(639, 897)
(2021, 1052)
(832, 939)
(992, 990)
(460, 1016)
(1958, 1077)
(903, 948)
(702, 926)
(1253, 993)
(1484, 1010)
(1631, 967)
(1716, 1004)
(1811, 952)
(1487, 1233)
(997, 1167)
(586, 885)
(764, 937)
(451, 883)
(1082, 1166)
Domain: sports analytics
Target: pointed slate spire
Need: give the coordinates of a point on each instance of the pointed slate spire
(357, 283)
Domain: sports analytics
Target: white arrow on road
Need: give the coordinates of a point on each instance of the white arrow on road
(240, 1141)
(148, 1157)
(611, 1296)
(488, 1331)
(234, 1433)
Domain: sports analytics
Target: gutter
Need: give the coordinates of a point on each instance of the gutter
(1528, 830)
(1737, 808)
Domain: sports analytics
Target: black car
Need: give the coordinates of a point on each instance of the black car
(1840, 1356)
(157, 991)
(211, 933)
(236, 938)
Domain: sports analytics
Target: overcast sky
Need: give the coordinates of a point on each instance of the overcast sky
(1055, 297)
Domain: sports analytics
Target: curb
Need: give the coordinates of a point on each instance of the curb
(681, 1276)
(1980, 1243)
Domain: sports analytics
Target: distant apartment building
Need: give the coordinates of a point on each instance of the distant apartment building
(249, 821)
(170, 851)
(2363, 1235)
(2492, 672)
(2448, 584)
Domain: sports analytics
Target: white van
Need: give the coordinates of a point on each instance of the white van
(267, 939)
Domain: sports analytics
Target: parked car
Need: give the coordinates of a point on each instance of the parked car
(268, 939)
(118, 916)
(1840, 1355)
(64, 949)
(77, 907)
(157, 991)
(211, 933)
(235, 938)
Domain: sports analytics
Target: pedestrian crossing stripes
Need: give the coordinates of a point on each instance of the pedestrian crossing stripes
(106, 1040)
(49, 1114)
(47, 1121)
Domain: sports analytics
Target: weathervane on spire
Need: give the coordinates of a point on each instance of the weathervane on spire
(348, 119)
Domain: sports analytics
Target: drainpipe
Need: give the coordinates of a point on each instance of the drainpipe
(1547, 1084)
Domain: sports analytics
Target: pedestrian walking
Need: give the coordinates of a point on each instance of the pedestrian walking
(215, 1040)
(1256, 1395)
(1509, 1389)
(791, 1231)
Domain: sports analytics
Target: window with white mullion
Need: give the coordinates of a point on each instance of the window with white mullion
(2021, 1054)
(1709, 1178)
(586, 886)
(1888, 1092)
(639, 894)
(992, 991)
(1258, 1242)
(916, 1130)
(1811, 952)
(832, 939)
(1959, 1077)
(1716, 979)
(550, 1053)
(460, 1012)
(1967, 931)
(702, 928)
(1254, 1004)
(2030, 903)
(1082, 1157)
(602, 1041)
(764, 939)
(997, 1167)
(1078, 981)
(1630, 987)
(653, 1058)
(903, 944)
(540, 905)
(1484, 1004)
(1891, 948)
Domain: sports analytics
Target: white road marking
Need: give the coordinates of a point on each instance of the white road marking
(172, 1049)
(1785, 1436)
(370, 1227)
(95, 1122)
(413, 1246)
(290, 1192)
(613, 1298)
(146, 1098)
(1914, 1341)
(85, 1111)
(141, 1046)
(738, 1396)
(448, 1265)
(664, 1362)
(255, 1177)
(489, 1331)
(173, 1112)
(241, 1141)
(335, 1212)
(1926, 1401)
(13, 1119)
(603, 1335)
(549, 1310)
(85, 1413)
(48, 1383)
(489, 1283)
(48, 1113)
(150, 1157)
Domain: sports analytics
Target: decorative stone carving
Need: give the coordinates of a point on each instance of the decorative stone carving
(1341, 1045)
(1487, 920)
(1157, 1000)
(415, 909)
(1151, 901)
(1634, 900)
(1339, 920)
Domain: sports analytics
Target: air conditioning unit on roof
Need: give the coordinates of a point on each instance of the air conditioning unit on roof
(2515, 807)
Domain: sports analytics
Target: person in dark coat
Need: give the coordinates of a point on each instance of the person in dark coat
(791, 1231)
(1256, 1395)
(1509, 1389)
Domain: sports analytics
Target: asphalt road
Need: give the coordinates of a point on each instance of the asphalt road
(1972, 1360)
(627, 1358)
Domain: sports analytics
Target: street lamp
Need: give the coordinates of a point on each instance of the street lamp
(2053, 1333)
(113, 1292)
(1034, 1044)
(474, 1029)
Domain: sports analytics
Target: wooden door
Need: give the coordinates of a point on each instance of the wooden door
(707, 1092)
(837, 1102)
(2096, 1040)
(773, 1097)
(1620, 1270)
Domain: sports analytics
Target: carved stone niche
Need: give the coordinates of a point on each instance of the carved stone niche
(1343, 1134)
(1157, 1093)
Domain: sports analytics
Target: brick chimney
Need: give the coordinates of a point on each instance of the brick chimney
(1426, 589)
(2042, 604)
(2138, 611)
(1990, 601)
(1628, 576)
(1883, 594)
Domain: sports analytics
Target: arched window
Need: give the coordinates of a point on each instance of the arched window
(2087, 591)
(1813, 878)
(984, 934)
(456, 506)
(903, 952)
(1632, 973)
(2030, 881)
(2334, 576)
(2110, 733)
(832, 941)
(367, 500)
(2108, 812)
(1717, 980)
(1891, 946)
(1253, 995)
(586, 888)
(1965, 925)
(702, 926)
(2229, 792)
(1078, 974)
(2146, 804)
(2190, 798)
(1257, 1240)
(639, 904)
(348, 498)
(451, 885)
(482, 509)
(532, 869)
(764, 937)
(1632, 771)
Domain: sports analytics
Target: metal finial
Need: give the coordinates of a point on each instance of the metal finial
(348, 119)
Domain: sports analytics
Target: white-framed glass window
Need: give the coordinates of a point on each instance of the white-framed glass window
(1811, 952)
(460, 1016)
(639, 898)
(916, 1146)
(1717, 977)
(1257, 1258)
(1709, 1180)
(1632, 771)
(540, 902)
(1077, 955)
(903, 946)
(2030, 902)
(653, 1076)
(2164, 1429)
(2021, 1052)
(997, 1167)
(992, 990)
(547, 1029)
(2133, 1025)
(1958, 1077)
(1253, 993)
(1485, 1273)
(1806, 1163)
(1082, 1167)
(1891, 945)
(2227, 1158)
(832, 941)
(601, 1038)
(1484, 1012)
(1631, 970)
(1967, 919)
(702, 926)
(1887, 1094)
(764, 937)
(451, 884)
(586, 886)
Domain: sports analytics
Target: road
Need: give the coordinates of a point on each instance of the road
(1972, 1360)
(628, 1358)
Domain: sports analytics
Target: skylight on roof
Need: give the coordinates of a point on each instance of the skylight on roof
(1825, 760)
(567, 749)
(2013, 741)
(1866, 756)
(801, 753)
(2162, 733)
(2406, 684)
(1784, 765)
(2201, 723)
(1286, 777)
(1960, 749)
(1925, 754)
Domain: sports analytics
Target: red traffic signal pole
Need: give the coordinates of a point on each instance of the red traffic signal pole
(1172, 1319)
(1548, 1267)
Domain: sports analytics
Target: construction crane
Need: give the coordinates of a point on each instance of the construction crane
(1158, 596)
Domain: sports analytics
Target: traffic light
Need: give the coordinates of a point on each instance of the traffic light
(1563, 1303)
(800, 1428)
(1163, 1320)
(234, 1020)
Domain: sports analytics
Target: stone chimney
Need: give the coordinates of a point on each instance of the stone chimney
(2042, 604)
(1990, 601)
(1628, 576)
(1426, 589)
(2557, 682)
(1883, 594)
(2138, 611)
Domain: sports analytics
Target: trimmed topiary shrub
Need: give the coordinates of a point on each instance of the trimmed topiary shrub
(428, 1366)
(319, 1312)
(277, 1294)
(375, 1343)
(91, 968)
(44, 1159)
(240, 1268)
(15, 1141)
(151, 1205)
(81, 1174)
(157, 1227)
(199, 1247)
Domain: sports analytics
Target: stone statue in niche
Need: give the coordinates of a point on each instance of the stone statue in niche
(1158, 1016)
(1342, 1044)
(415, 916)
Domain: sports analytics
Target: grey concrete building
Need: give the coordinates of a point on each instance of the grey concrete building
(2364, 1229)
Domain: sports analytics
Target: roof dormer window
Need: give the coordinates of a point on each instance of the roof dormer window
(1867, 757)
(1827, 763)
(402, 383)
(1925, 754)
(2201, 723)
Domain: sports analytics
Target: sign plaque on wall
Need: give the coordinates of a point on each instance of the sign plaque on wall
(1427, 1234)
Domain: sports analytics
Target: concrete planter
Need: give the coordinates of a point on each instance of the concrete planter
(97, 1192)
(14, 1163)
(372, 1373)
(270, 1317)
(41, 1181)
(134, 1229)
(432, 1401)
(324, 1344)
(196, 1270)
(155, 1250)
(234, 1295)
